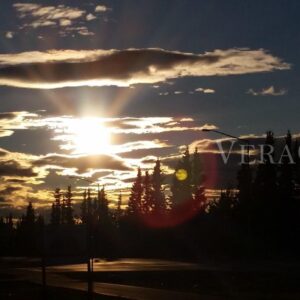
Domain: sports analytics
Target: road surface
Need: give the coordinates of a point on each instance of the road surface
(56, 278)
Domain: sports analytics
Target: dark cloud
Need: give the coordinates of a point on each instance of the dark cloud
(7, 115)
(3, 152)
(113, 67)
(10, 189)
(13, 168)
(15, 180)
(83, 163)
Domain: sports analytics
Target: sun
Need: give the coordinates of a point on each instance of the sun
(90, 136)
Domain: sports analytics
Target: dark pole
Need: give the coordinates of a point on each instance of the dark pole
(89, 252)
(89, 239)
(43, 261)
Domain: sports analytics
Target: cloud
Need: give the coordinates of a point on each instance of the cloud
(39, 15)
(13, 168)
(10, 189)
(101, 8)
(84, 31)
(7, 192)
(83, 163)
(67, 19)
(63, 68)
(3, 152)
(90, 17)
(268, 91)
(9, 34)
(65, 22)
(205, 90)
(7, 115)
(11, 121)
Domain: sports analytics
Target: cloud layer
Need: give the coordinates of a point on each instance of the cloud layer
(63, 68)
(67, 19)
(268, 91)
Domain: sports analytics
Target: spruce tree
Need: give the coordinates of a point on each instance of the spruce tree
(286, 178)
(197, 182)
(266, 176)
(30, 215)
(56, 208)
(196, 170)
(63, 210)
(159, 201)
(102, 210)
(119, 206)
(147, 199)
(182, 187)
(265, 201)
(84, 208)
(135, 199)
(69, 209)
(89, 207)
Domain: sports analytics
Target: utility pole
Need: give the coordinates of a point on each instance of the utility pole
(89, 241)
(43, 261)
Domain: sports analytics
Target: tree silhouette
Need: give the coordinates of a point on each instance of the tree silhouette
(159, 201)
(119, 206)
(84, 208)
(56, 212)
(286, 183)
(68, 207)
(102, 210)
(135, 199)
(30, 215)
(181, 187)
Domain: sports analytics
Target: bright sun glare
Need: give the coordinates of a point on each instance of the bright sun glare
(90, 136)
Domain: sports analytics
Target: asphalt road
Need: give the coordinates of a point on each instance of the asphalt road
(56, 278)
(268, 281)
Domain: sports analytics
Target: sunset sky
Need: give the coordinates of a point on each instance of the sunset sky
(97, 88)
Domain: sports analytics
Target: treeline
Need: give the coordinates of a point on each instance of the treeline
(258, 218)
(22, 237)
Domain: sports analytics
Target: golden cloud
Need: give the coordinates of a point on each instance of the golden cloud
(69, 68)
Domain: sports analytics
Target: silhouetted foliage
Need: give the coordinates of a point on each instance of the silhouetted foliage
(258, 218)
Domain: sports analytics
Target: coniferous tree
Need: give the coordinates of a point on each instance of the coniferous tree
(10, 221)
(56, 208)
(197, 182)
(182, 186)
(135, 199)
(147, 198)
(266, 176)
(200, 201)
(244, 210)
(119, 206)
(265, 200)
(2, 223)
(225, 204)
(286, 182)
(30, 215)
(196, 170)
(69, 209)
(159, 201)
(63, 210)
(296, 161)
(84, 208)
(103, 211)
(89, 206)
